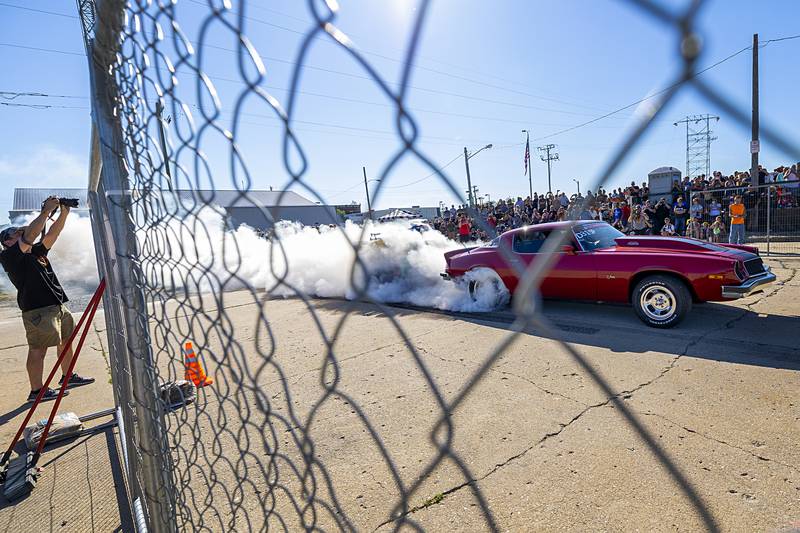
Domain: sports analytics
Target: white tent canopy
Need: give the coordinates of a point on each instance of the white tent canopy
(397, 214)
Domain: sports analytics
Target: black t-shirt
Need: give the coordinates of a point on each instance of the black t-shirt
(33, 276)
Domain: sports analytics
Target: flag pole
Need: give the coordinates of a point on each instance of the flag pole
(528, 162)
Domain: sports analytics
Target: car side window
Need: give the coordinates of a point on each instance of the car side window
(528, 242)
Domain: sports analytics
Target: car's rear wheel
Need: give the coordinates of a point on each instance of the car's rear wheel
(486, 288)
(661, 301)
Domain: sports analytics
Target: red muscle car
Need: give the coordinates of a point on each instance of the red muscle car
(659, 276)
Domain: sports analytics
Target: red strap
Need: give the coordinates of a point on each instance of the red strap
(95, 298)
(91, 311)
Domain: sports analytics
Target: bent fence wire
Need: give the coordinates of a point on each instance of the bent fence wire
(254, 451)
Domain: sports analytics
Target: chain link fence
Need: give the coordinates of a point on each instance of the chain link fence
(258, 450)
(772, 216)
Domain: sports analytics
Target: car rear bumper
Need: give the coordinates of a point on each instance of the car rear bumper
(748, 286)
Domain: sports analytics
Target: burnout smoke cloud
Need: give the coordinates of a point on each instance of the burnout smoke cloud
(401, 265)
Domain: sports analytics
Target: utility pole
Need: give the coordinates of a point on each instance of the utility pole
(550, 154)
(467, 156)
(754, 143)
(698, 143)
(366, 188)
(469, 179)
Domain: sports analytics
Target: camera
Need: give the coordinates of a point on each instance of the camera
(68, 202)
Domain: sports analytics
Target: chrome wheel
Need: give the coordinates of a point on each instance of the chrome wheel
(658, 303)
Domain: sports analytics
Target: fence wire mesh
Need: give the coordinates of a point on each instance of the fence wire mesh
(258, 449)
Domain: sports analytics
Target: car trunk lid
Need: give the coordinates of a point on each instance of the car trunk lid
(453, 253)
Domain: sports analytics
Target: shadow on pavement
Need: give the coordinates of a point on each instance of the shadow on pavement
(712, 331)
(71, 454)
(6, 417)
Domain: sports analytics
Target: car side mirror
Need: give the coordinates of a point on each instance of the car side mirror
(567, 249)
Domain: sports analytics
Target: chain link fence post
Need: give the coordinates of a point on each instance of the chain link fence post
(769, 209)
(120, 370)
(151, 473)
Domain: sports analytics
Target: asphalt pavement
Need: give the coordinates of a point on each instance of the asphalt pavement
(536, 443)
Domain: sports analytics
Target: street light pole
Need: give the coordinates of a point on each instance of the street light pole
(467, 156)
(579, 185)
(469, 179)
(366, 188)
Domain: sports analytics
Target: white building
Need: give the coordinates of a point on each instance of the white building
(29, 200)
(257, 209)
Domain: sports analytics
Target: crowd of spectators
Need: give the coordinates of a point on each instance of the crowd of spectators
(712, 208)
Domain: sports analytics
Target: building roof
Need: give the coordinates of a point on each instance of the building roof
(663, 170)
(229, 198)
(30, 199)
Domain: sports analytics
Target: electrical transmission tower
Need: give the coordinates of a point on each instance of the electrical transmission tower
(698, 144)
(548, 153)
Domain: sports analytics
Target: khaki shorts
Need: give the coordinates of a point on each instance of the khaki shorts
(48, 326)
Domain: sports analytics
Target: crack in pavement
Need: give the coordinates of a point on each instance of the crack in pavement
(14, 346)
(626, 394)
(503, 372)
(714, 439)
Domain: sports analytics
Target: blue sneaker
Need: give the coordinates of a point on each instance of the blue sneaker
(48, 395)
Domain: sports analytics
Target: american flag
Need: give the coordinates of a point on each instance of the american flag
(527, 155)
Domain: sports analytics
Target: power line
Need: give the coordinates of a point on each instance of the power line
(42, 106)
(345, 99)
(402, 62)
(560, 132)
(435, 91)
(648, 97)
(284, 28)
(42, 11)
(12, 95)
(12, 45)
(789, 38)
(367, 78)
(438, 170)
(333, 71)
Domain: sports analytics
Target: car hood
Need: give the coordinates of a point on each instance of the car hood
(653, 244)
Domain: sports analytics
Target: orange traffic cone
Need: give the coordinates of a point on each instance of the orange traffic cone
(194, 370)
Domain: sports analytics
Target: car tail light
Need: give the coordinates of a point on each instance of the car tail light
(738, 268)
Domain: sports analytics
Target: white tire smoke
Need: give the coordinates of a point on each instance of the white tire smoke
(402, 265)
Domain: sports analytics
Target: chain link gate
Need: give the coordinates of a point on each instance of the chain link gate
(238, 458)
(772, 216)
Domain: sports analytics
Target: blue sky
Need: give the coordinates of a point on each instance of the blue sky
(486, 70)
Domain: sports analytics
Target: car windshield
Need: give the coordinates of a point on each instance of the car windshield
(594, 235)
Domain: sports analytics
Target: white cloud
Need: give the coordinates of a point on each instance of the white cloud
(44, 166)
(40, 166)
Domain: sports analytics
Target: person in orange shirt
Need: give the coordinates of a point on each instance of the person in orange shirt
(736, 212)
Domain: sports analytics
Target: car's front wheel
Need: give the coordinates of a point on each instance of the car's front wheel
(661, 301)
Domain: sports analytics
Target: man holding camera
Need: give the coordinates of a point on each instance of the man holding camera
(40, 296)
